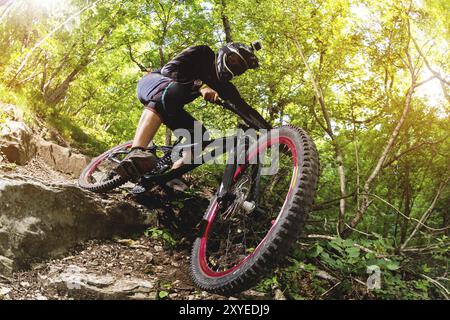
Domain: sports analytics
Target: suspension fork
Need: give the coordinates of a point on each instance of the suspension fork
(227, 177)
(235, 158)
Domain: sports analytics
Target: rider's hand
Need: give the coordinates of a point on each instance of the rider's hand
(209, 94)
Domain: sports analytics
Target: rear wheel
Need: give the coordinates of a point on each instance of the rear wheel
(99, 175)
(245, 238)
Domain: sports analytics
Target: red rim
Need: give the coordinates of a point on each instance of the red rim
(212, 213)
(101, 158)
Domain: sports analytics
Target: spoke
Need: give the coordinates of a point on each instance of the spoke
(227, 248)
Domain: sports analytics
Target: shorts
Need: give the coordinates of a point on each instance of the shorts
(167, 98)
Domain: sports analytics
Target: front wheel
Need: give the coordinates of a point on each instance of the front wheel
(243, 240)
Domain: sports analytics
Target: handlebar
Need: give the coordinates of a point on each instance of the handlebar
(231, 106)
(249, 115)
(225, 103)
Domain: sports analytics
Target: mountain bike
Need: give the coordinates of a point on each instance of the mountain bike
(253, 219)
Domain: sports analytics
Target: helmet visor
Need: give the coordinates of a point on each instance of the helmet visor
(235, 64)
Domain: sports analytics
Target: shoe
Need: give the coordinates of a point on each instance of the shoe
(136, 163)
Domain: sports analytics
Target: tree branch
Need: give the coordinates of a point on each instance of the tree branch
(407, 217)
(141, 66)
(395, 158)
(426, 213)
(434, 72)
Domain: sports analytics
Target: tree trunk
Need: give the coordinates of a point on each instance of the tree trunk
(57, 94)
(446, 220)
(406, 203)
(226, 23)
(329, 130)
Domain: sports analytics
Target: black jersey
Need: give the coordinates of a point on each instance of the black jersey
(198, 63)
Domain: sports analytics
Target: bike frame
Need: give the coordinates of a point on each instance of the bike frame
(229, 145)
(225, 142)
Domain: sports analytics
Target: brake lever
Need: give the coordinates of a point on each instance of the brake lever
(177, 141)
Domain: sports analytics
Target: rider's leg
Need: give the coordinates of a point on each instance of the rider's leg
(147, 128)
(175, 117)
(138, 158)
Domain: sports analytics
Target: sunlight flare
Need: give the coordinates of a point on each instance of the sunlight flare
(53, 6)
(432, 92)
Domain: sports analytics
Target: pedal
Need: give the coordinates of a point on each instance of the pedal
(127, 169)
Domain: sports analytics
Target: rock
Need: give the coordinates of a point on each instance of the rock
(16, 142)
(40, 297)
(39, 221)
(6, 265)
(254, 295)
(148, 257)
(79, 283)
(279, 295)
(61, 158)
(177, 185)
(4, 291)
(11, 112)
(18, 146)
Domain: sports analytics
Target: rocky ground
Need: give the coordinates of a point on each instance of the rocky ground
(132, 267)
(120, 269)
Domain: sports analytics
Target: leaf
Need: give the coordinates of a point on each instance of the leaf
(335, 245)
(353, 252)
(317, 250)
(327, 259)
(163, 294)
(348, 243)
(392, 265)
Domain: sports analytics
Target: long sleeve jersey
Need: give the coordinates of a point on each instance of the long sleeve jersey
(198, 63)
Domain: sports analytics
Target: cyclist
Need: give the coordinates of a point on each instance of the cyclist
(196, 71)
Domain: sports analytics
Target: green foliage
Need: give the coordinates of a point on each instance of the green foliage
(163, 294)
(162, 235)
(267, 284)
(347, 262)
